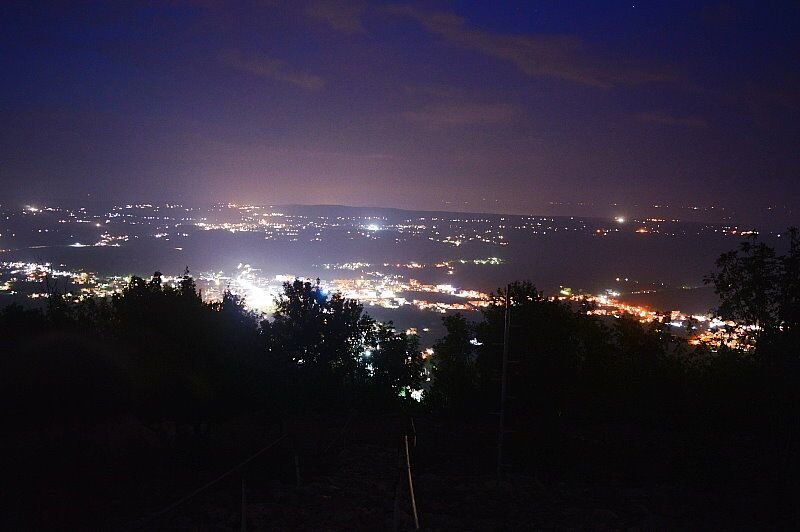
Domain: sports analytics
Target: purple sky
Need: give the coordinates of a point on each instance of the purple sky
(529, 108)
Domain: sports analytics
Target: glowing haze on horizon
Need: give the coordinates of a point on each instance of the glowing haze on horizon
(526, 107)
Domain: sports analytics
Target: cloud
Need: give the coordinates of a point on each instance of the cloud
(435, 90)
(658, 117)
(340, 15)
(271, 68)
(443, 115)
(563, 57)
(769, 106)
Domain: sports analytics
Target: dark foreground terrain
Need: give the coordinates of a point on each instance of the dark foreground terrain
(347, 471)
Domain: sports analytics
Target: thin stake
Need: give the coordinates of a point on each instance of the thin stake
(411, 485)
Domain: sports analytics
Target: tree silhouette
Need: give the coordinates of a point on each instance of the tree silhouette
(757, 286)
(543, 347)
(789, 299)
(748, 284)
(453, 367)
(316, 338)
(393, 362)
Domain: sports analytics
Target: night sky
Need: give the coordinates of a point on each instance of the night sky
(529, 107)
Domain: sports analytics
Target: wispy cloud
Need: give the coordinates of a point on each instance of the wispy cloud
(271, 68)
(659, 117)
(435, 90)
(443, 115)
(563, 57)
(341, 15)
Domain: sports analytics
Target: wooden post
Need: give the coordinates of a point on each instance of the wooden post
(411, 485)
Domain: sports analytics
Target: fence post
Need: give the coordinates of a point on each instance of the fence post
(411, 485)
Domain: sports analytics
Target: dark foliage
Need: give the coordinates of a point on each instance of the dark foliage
(453, 367)
(162, 355)
(326, 350)
(588, 396)
(615, 397)
(758, 286)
